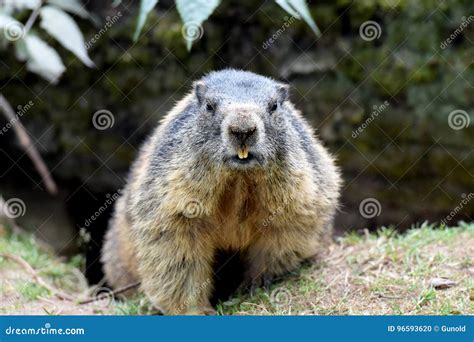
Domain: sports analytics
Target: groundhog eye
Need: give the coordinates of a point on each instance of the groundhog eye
(273, 107)
(209, 107)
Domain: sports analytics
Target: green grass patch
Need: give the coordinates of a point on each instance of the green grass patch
(379, 273)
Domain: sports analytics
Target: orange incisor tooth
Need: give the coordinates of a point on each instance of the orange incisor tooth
(243, 152)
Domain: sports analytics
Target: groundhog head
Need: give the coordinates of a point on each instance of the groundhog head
(243, 118)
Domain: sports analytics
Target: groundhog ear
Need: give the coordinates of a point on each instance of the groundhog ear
(200, 90)
(283, 92)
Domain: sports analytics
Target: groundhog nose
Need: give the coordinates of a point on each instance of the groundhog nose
(242, 134)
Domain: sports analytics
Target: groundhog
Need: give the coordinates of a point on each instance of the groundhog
(232, 167)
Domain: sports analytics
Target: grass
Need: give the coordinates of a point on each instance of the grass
(379, 273)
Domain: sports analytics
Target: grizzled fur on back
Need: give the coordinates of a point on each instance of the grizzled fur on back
(233, 166)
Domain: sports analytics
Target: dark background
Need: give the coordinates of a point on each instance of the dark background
(408, 158)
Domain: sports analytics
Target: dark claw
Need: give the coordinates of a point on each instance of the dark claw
(251, 286)
(267, 282)
(254, 286)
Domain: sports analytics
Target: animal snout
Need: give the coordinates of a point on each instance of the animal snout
(243, 135)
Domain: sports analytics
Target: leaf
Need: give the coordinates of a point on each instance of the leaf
(302, 10)
(442, 283)
(115, 3)
(286, 6)
(6, 20)
(43, 59)
(145, 7)
(21, 52)
(193, 14)
(65, 30)
(72, 6)
(12, 29)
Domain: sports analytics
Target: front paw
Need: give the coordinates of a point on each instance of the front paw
(251, 284)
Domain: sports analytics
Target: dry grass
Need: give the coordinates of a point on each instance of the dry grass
(383, 273)
(378, 274)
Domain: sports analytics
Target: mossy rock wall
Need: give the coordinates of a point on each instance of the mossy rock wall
(407, 157)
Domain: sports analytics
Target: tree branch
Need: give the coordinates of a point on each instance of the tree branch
(28, 146)
(108, 294)
(32, 18)
(27, 267)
